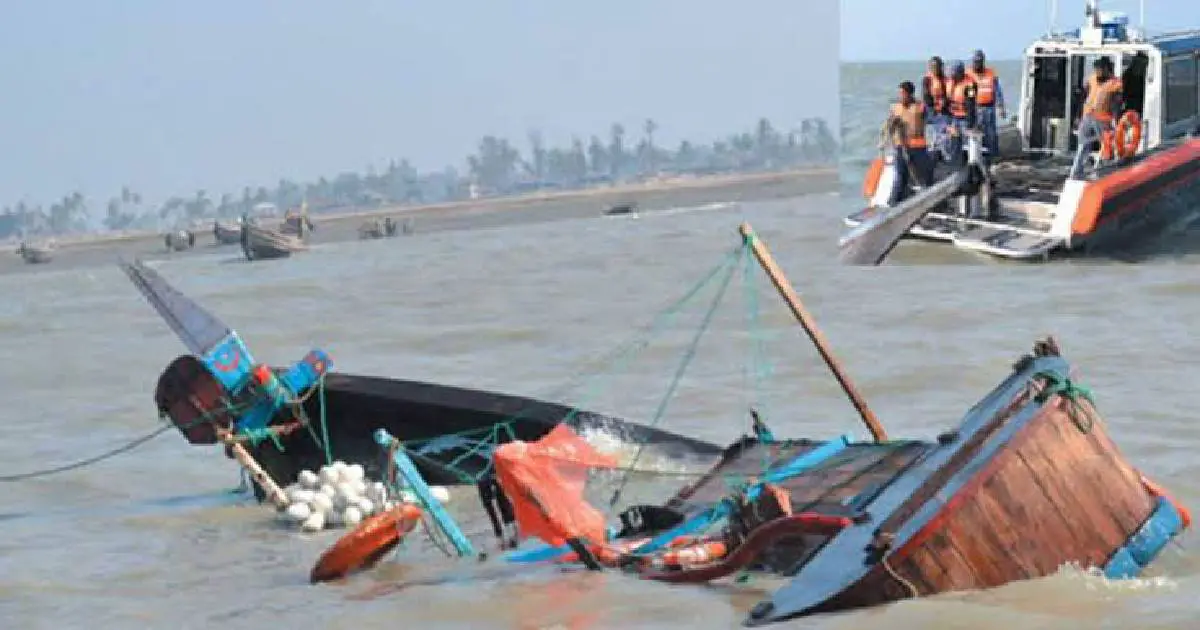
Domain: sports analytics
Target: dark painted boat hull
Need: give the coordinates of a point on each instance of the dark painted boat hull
(354, 407)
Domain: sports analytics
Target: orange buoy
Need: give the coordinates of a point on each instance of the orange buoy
(1128, 136)
(367, 544)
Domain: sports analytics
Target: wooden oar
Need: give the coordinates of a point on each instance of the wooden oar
(810, 327)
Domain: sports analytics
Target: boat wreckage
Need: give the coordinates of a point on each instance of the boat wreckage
(1062, 187)
(279, 422)
(1027, 481)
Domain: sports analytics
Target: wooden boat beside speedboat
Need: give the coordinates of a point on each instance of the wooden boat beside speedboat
(36, 254)
(1027, 482)
(1056, 195)
(259, 243)
(293, 419)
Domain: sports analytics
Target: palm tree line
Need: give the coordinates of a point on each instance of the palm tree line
(497, 168)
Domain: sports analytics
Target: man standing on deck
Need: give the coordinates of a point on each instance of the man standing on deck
(935, 95)
(989, 99)
(1104, 92)
(961, 104)
(906, 128)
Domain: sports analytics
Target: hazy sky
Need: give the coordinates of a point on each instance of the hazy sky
(917, 29)
(171, 96)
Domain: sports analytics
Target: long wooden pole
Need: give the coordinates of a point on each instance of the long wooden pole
(274, 493)
(763, 255)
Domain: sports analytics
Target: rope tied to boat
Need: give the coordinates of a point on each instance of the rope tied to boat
(730, 265)
(1056, 383)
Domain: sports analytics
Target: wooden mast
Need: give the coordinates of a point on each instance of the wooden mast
(763, 255)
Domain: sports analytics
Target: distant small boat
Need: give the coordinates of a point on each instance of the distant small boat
(36, 254)
(259, 243)
(621, 209)
(180, 240)
(227, 234)
(379, 228)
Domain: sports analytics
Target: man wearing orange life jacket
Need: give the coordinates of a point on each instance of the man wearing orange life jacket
(1102, 104)
(936, 98)
(906, 126)
(989, 100)
(961, 105)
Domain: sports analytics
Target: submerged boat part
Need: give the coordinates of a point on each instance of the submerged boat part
(303, 417)
(1027, 482)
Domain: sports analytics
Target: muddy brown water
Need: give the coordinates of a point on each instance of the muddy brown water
(156, 539)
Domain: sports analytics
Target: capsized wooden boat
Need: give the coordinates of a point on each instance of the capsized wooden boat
(284, 418)
(259, 243)
(36, 254)
(1027, 482)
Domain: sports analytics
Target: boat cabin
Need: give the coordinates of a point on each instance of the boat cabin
(1161, 77)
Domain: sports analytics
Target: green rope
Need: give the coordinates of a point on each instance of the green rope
(610, 364)
(666, 317)
(260, 435)
(1059, 384)
(677, 378)
(324, 421)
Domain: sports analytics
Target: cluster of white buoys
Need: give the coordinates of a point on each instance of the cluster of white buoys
(339, 495)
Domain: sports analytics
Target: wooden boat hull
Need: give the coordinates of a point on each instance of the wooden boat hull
(227, 234)
(263, 244)
(356, 406)
(35, 255)
(179, 241)
(1030, 482)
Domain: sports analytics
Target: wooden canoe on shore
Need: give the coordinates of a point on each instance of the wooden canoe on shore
(259, 243)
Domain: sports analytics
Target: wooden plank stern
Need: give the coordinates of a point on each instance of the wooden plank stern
(1030, 482)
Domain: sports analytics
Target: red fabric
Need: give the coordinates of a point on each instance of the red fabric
(545, 481)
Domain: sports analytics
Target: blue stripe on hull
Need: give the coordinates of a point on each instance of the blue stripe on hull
(1143, 547)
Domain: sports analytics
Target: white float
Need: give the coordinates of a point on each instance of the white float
(340, 495)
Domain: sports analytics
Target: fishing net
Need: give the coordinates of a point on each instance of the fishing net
(545, 481)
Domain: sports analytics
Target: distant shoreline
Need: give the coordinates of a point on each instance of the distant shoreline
(601, 194)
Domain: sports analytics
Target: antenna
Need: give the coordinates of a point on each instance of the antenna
(1053, 16)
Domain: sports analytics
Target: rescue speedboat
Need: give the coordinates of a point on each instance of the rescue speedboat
(1051, 193)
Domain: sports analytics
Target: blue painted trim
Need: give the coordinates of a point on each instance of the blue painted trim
(698, 522)
(1164, 523)
(1176, 46)
(230, 362)
(416, 483)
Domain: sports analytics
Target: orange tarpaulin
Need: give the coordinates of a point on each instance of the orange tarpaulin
(544, 481)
